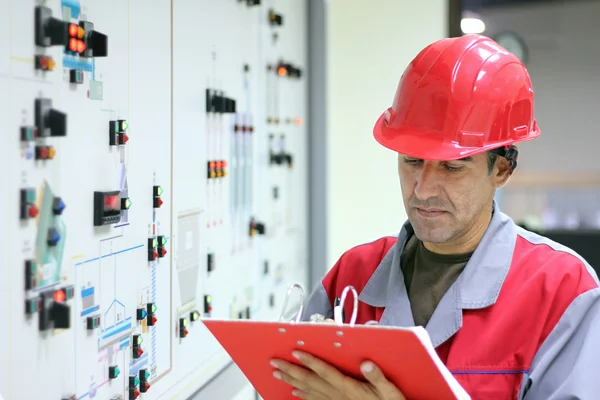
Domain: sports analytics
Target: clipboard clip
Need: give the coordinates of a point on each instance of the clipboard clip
(285, 303)
(338, 310)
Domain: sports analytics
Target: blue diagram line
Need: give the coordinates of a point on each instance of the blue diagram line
(109, 254)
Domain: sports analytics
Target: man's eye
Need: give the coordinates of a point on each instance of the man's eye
(411, 161)
(452, 168)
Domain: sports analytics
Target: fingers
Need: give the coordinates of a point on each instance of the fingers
(328, 373)
(385, 389)
(339, 383)
(301, 378)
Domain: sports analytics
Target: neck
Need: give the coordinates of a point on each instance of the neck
(468, 242)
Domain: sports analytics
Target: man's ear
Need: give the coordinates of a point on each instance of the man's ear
(502, 171)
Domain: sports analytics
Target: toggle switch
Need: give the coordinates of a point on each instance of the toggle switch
(113, 372)
(207, 304)
(32, 305)
(211, 169)
(160, 249)
(125, 203)
(49, 31)
(92, 322)
(141, 314)
(53, 237)
(152, 247)
(30, 274)
(134, 381)
(45, 152)
(117, 132)
(28, 133)
(44, 63)
(194, 316)
(210, 262)
(183, 332)
(133, 393)
(28, 206)
(217, 102)
(256, 228)
(49, 121)
(275, 19)
(157, 191)
(58, 206)
(76, 76)
(136, 349)
(151, 310)
(144, 375)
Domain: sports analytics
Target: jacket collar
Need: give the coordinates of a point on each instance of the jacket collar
(479, 284)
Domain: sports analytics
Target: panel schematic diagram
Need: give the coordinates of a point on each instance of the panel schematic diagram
(157, 178)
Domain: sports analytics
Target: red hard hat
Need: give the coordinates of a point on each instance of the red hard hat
(459, 97)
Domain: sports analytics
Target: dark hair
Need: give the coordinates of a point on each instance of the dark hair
(491, 160)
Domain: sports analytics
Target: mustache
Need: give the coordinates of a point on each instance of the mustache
(433, 202)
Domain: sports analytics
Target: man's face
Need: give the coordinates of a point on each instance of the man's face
(445, 200)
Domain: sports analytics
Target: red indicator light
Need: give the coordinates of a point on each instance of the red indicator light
(73, 44)
(73, 29)
(59, 296)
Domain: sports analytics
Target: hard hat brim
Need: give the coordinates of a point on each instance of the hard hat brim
(427, 146)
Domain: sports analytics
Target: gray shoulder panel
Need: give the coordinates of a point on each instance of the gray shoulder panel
(318, 303)
(534, 238)
(567, 365)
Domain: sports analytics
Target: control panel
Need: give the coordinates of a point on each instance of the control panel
(156, 176)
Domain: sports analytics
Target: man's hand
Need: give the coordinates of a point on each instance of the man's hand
(321, 381)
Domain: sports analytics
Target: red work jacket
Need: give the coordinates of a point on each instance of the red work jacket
(522, 321)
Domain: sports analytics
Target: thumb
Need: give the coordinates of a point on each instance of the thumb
(385, 389)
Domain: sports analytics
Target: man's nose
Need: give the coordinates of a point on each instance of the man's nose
(427, 184)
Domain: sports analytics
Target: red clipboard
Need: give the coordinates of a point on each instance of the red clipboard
(399, 352)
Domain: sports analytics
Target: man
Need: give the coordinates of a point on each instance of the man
(512, 314)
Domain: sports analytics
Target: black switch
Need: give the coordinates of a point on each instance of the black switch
(53, 311)
(210, 262)
(30, 275)
(251, 3)
(49, 31)
(32, 305)
(113, 372)
(96, 43)
(93, 322)
(49, 121)
(247, 312)
(209, 105)
(275, 19)
(256, 227)
(61, 315)
(76, 76)
(271, 300)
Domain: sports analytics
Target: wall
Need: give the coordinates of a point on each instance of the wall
(563, 42)
(370, 44)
